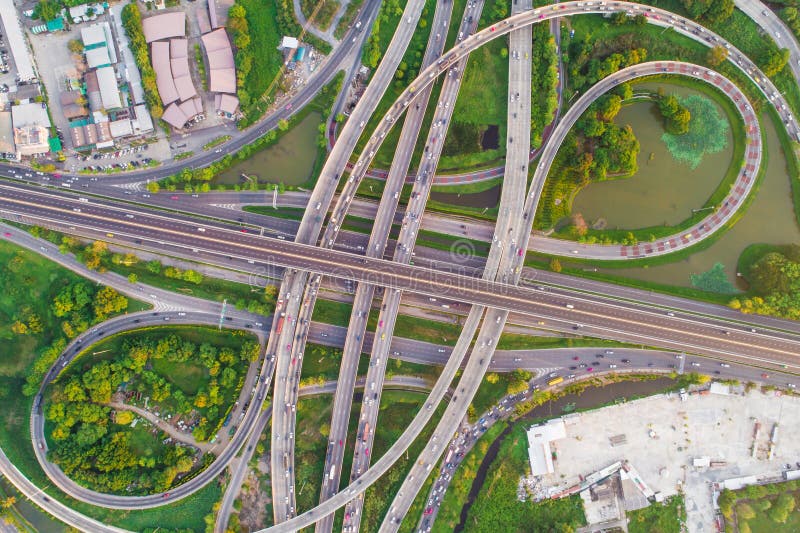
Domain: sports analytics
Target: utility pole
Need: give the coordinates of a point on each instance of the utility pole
(275, 197)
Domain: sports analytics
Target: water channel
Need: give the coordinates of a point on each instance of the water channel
(664, 190)
(290, 160)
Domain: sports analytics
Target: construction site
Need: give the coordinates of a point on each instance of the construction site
(627, 456)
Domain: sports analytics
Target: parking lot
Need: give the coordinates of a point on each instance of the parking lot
(662, 435)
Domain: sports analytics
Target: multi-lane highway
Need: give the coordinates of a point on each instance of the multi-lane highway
(299, 293)
(376, 247)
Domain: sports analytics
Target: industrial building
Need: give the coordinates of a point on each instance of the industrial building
(16, 41)
(540, 454)
(31, 129)
(164, 26)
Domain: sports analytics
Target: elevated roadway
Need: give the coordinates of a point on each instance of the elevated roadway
(299, 294)
(376, 247)
(729, 332)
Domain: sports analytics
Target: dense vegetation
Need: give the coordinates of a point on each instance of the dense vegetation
(544, 81)
(132, 22)
(589, 60)
(666, 517)
(695, 127)
(41, 308)
(387, 19)
(258, 60)
(676, 116)
(99, 447)
(761, 507)
(497, 509)
(596, 149)
(774, 278)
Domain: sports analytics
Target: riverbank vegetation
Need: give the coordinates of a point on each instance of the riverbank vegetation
(496, 507)
(773, 273)
(188, 376)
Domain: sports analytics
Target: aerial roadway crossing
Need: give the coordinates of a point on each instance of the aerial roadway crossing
(492, 296)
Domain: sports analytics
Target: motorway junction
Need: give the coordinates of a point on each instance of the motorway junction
(496, 287)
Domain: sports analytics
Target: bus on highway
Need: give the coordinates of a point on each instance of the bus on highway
(555, 381)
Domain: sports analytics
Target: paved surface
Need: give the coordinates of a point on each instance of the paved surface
(297, 291)
(719, 427)
(376, 247)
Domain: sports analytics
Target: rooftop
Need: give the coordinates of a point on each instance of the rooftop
(164, 26)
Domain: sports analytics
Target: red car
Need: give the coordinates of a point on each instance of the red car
(576, 358)
(288, 107)
(166, 495)
(765, 376)
(173, 197)
(7, 234)
(340, 443)
(428, 511)
(590, 369)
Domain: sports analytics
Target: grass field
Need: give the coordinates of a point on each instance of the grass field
(29, 281)
(481, 102)
(667, 517)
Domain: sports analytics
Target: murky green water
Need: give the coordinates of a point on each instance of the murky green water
(770, 219)
(663, 191)
(290, 160)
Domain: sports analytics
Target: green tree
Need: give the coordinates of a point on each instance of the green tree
(133, 278)
(283, 124)
(717, 55)
(555, 265)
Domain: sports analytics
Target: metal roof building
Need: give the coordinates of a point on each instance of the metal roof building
(33, 114)
(163, 70)
(221, 66)
(143, 122)
(109, 92)
(227, 103)
(16, 41)
(539, 439)
(164, 26)
(179, 64)
(93, 36)
(98, 57)
(6, 133)
(120, 128)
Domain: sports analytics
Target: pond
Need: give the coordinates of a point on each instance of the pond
(663, 191)
(484, 199)
(290, 160)
(769, 219)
